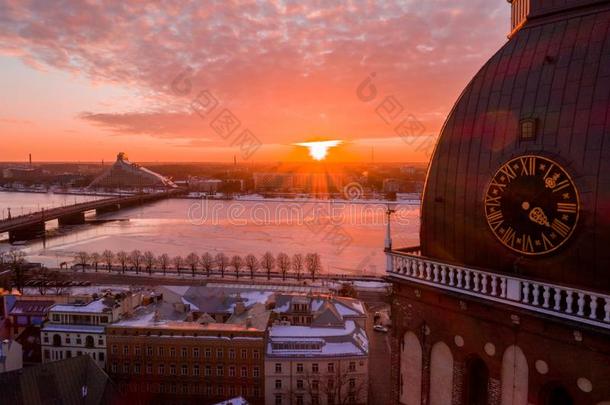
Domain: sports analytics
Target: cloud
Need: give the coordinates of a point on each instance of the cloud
(284, 68)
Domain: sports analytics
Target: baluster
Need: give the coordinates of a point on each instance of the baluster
(503, 287)
(443, 274)
(494, 285)
(459, 278)
(526, 293)
(421, 270)
(467, 279)
(428, 271)
(435, 272)
(546, 295)
(484, 283)
(557, 299)
(607, 310)
(536, 293)
(593, 307)
(581, 304)
(451, 276)
(569, 300)
(475, 282)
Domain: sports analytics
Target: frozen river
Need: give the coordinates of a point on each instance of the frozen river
(348, 236)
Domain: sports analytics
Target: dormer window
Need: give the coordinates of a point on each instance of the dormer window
(527, 129)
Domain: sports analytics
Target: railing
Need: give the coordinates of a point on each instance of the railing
(569, 303)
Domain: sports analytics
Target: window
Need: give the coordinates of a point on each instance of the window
(220, 371)
(299, 367)
(278, 399)
(161, 369)
(220, 390)
(149, 351)
(113, 368)
(352, 366)
(47, 354)
(126, 368)
(196, 352)
(160, 351)
(232, 371)
(208, 352)
(300, 400)
(208, 390)
(315, 385)
(79, 341)
(331, 367)
(300, 384)
(255, 372)
(244, 371)
(196, 370)
(172, 351)
(100, 342)
(172, 369)
(278, 384)
(527, 129)
(149, 368)
(278, 367)
(136, 350)
(256, 392)
(46, 339)
(315, 400)
(100, 356)
(256, 354)
(244, 354)
(232, 354)
(184, 370)
(185, 389)
(55, 317)
(125, 350)
(68, 353)
(330, 384)
(136, 368)
(219, 353)
(314, 368)
(352, 383)
(184, 352)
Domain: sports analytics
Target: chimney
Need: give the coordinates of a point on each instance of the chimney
(30, 159)
(240, 308)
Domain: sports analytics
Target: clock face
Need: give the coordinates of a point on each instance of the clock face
(532, 205)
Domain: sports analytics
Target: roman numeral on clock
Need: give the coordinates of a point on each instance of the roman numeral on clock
(546, 242)
(528, 166)
(495, 219)
(561, 228)
(508, 171)
(561, 185)
(568, 208)
(509, 237)
(527, 244)
(492, 201)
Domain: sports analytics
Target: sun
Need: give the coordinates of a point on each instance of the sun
(319, 149)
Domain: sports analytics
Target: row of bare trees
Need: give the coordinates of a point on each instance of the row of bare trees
(297, 265)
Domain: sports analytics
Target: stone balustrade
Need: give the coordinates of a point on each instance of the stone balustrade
(565, 302)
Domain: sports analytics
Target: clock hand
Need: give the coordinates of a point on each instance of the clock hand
(537, 215)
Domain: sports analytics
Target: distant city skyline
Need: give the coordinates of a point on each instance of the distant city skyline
(84, 81)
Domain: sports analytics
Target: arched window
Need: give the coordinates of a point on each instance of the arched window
(56, 340)
(555, 394)
(475, 382)
(515, 376)
(441, 374)
(410, 370)
(89, 341)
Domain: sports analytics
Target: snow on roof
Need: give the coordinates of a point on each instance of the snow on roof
(306, 331)
(94, 307)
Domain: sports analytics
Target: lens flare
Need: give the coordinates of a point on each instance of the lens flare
(319, 150)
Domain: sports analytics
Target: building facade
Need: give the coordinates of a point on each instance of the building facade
(506, 300)
(162, 353)
(317, 352)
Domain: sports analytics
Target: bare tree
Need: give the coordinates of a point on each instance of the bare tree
(283, 263)
(122, 257)
(192, 260)
(108, 257)
(3, 258)
(237, 262)
(163, 261)
(135, 258)
(297, 265)
(16, 262)
(313, 264)
(268, 263)
(95, 260)
(43, 277)
(207, 262)
(222, 261)
(252, 264)
(178, 261)
(149, 261)
(82, 259)
(343, 386)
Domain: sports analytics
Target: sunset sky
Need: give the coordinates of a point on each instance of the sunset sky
(84, 80)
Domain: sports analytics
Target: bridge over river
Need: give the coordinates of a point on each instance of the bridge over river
(31, 226)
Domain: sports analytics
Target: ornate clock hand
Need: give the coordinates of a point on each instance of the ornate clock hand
(537, 215)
